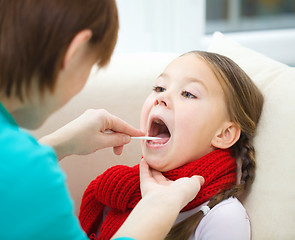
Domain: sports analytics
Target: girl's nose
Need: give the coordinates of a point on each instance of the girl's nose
(161, 101)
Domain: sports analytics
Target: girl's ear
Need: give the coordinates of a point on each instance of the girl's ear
(77, 42)
(227, 136)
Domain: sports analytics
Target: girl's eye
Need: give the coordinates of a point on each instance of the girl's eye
(187, 94)
(159, 89)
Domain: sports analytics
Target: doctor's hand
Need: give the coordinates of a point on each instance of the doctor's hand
(162, 200)
(181, 191)
(86, 134)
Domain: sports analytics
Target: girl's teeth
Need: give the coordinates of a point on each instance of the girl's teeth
(157, 121)
(154, 143)
(161, 141)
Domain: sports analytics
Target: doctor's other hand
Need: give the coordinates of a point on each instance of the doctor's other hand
(181, 191)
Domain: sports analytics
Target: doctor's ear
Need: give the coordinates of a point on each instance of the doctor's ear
(76, 45)
(227, 136)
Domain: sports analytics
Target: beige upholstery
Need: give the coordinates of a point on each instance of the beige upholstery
(124, 85)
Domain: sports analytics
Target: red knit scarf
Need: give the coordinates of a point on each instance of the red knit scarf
(118, 188)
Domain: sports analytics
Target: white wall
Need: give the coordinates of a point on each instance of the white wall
(276, 44)
(179, 26)
(159, 25)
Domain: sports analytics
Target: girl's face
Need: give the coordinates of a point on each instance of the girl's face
(186, 109)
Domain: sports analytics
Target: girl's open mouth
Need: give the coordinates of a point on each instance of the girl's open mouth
(158, 129)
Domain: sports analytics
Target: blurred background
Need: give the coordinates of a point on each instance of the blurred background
(267, 26)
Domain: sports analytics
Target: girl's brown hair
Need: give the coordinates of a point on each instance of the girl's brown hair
(244, 104)
(35, 34)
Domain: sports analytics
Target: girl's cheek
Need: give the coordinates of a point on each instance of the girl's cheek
(145, 110)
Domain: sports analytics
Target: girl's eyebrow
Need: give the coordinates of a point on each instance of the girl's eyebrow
(193, 79)
(189, 79)
(163, 75)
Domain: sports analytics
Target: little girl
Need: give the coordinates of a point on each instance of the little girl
(204, 109)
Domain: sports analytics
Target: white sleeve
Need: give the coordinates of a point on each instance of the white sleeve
(226, 221)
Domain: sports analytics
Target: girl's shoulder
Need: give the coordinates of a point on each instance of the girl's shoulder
(227, 220)
(229, 208)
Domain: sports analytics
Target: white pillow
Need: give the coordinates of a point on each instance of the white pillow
(271, 201)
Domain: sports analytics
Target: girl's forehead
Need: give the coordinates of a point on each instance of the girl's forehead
(187, 66)
(189, 62)
(191, 68)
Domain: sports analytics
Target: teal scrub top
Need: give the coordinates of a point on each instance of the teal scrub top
(34, 200)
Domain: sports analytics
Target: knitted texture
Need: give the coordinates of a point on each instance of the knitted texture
(119, 189)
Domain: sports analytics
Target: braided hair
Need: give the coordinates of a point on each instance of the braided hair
(244, 104)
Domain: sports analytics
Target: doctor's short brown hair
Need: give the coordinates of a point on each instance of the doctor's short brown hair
(35, 34)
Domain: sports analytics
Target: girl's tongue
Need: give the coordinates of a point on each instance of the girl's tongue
(159, 129)
(164, 139)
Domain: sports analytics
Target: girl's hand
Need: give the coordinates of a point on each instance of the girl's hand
(86, 134)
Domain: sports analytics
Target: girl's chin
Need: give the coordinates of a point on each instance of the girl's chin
(154, 163)
(158, 164)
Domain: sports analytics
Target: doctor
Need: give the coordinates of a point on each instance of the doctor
(47, 49)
